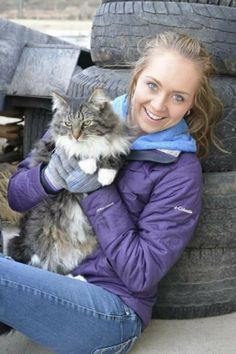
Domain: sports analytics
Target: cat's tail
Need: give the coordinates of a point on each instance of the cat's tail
(17, 249)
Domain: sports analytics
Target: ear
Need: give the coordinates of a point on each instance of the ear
(99, 99)
(59, 101)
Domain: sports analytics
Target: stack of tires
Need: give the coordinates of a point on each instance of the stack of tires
(203, 282)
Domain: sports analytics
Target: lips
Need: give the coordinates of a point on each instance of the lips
(153, 116)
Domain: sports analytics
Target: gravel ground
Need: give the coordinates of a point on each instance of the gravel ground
(76, 32)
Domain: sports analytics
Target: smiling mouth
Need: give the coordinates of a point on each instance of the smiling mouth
(153, 116)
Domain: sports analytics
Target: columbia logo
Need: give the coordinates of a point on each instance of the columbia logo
(105, 207)
(180, 208)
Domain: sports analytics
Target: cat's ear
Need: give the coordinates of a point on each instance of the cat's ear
(59, 101)
(99, 99)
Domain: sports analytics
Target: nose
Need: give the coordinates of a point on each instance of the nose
(158, 103)
(76, 132)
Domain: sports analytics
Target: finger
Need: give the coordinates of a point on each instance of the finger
(74, 163)
(80, 182)
(63, 160)
(58, 166)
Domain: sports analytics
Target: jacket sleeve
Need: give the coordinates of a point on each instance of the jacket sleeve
(25, 189)
(141, 253)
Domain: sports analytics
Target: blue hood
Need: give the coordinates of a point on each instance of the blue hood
(174, 138)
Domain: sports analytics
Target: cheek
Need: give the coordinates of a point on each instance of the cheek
(135, 109)
(137, 101)
(176, 116)
(177, 112)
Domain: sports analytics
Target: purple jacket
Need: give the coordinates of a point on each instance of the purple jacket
(143, 222)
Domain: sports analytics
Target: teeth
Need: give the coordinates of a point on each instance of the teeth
(153, 116)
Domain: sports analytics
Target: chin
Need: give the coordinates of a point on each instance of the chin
(150, 130)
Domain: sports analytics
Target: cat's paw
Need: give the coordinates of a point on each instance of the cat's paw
(35, 261)
(106, 176)
(89, 166)
(77, 277)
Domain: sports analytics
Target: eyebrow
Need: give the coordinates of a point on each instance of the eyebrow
(175, 91)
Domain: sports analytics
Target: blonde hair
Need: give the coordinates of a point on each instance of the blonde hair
(207, 108)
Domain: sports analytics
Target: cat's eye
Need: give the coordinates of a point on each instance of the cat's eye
(68, 124)
(87, 123)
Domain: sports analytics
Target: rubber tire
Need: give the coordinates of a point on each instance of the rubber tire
(217, 161)
(230, 3)
(119, 26)
(217, 224)
(202, 283)
(115, 82)
(36, 123)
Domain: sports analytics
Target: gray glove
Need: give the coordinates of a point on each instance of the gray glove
(63, 173)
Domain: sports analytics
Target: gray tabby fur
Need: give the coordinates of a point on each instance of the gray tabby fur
(56, 235)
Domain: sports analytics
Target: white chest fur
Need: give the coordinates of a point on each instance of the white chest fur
(93, 147)
(78, 225)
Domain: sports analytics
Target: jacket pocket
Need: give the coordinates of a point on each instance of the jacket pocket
(121, 348)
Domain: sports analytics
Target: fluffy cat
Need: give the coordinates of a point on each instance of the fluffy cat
(56, 235)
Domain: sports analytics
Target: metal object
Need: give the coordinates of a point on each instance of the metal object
(42, 69)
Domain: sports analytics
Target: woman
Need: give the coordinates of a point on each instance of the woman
(143, 221)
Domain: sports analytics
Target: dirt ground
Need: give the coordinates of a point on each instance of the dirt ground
(49, 9)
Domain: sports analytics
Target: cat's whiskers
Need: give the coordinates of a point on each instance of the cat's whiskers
(93, 147)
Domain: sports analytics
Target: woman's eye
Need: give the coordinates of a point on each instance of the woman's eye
(152, 86)
(178, 98)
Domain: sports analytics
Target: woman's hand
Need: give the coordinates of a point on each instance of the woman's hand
(63, 173)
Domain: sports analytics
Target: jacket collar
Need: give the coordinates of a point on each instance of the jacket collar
(153, 155)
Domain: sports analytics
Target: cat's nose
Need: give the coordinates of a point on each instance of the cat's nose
(76, 133)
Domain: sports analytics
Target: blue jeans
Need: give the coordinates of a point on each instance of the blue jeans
(63, 314)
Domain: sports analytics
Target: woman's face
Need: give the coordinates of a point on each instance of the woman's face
(164, 91)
